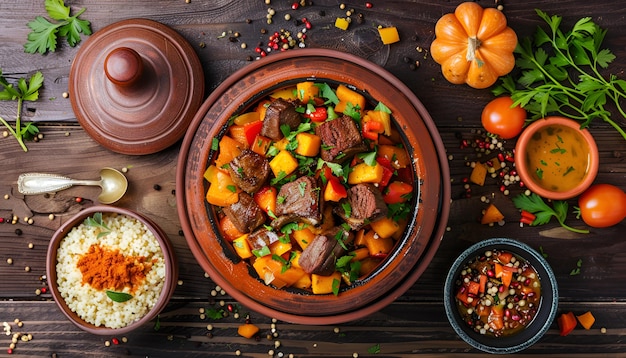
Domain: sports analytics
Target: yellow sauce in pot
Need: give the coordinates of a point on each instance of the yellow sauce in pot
(557, 157)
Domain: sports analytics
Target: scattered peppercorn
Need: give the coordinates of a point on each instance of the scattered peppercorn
(156, 187)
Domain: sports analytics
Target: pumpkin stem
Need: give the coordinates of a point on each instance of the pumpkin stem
(473, 44)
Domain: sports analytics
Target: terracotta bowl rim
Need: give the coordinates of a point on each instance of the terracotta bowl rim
(546, 313)
(522, 169)
(443, 207)
(169, 256)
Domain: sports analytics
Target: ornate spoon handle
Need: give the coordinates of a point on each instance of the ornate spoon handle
(40, 183)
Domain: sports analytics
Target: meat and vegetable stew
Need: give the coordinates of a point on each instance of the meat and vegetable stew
(312, 186)
(498, 293)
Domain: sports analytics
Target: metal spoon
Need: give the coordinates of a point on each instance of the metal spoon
(112, 182)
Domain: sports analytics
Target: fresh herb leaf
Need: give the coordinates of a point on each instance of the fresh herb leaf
(347, 208)
(533, 203)
(98, 222)
(157, 323)
(231, 188)
(327, 92)
(25, 91)
(374, 349)
(215, 144)
(264, 251)
(368, 158)
(561, 74)
(118, 296)
(576, 271)
(44, 34)
(381, 107)
(215, 313)
(336, 285)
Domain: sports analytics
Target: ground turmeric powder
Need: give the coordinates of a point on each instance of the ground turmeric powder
(104, 268)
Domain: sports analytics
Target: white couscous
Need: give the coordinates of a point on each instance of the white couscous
(122, 237)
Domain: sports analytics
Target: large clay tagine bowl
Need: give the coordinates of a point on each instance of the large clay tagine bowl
(413, 251)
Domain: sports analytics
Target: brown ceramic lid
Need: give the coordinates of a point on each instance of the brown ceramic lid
(135, 86)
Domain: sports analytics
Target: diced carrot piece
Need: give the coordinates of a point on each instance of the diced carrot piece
(567, 323)
(479, 173)
(473, 287)
(491, 215)
(228, 229)
(482, 283)
(496, 318)
(247, 330)
(586, 319)
(506, 277)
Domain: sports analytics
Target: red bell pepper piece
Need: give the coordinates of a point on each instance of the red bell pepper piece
(396, 192)
(371, 130)
(319, 115)
(251, 130)
(567, 322)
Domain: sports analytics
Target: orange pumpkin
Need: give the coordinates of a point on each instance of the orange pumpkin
(474, 45)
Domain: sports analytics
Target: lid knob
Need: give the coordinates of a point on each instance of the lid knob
(123, 66)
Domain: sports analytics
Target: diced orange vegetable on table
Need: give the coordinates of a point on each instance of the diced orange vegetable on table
(342, 23)
(308, 144)
(388, 35)
(586, 319)
(247, 330)
(283, 162)
(491, 215)
(567, 322)
(365, 173)
(479, 173)
(324, 284)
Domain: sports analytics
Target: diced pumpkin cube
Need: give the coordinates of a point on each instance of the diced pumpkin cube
(303, 237)
(246, 118)
(378, 246)
(228, 150)
(325, 284)
(261, 144)
(304, 282)
(388, 35)
(272, 272)
(238, 133)
(365, 173)
(247, 330)
(479, 173)
(397, 156)
(347, 96)
(283, 162)
(288, 93)
(307, 91)
(342, 23)
(383, 118)
(385, 227)
(368, 265)
(228, 229)
(360, 254)
(279, 247)
(242, 247)
(223, 191)
(491, 215)
(308, 144)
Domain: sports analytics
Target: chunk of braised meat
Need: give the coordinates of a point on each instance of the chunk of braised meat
(299, 202)
(366, 205)
(245, 214)
(341, 139)
(249, 171)
(261, 237)
(278, 113)
(321, 255)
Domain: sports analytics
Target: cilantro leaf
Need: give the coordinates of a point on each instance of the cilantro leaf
(44, 34)
(27, 90)
(533, 203)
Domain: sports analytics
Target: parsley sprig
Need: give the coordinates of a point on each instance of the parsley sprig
(44, 34)
(533, 203)
(560, 74)
(25, 91)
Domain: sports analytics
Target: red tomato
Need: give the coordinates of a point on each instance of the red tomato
(499, 118)
(602, 205)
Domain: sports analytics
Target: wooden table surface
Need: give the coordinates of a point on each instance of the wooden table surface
(415, 324)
